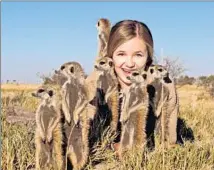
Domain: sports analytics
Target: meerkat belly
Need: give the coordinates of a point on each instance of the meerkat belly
(136, 97)
(48, 116)
(76, 142)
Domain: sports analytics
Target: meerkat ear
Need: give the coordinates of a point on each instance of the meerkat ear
(72, 69)
(50, 92)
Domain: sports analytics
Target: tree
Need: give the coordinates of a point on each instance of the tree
(174, 67)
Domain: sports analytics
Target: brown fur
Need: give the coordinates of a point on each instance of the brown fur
(79, 111)
(134, 114)
(103, 26)
(54, 150)
(133, 131)
(113, 102)
(48, 136)
(167, 105)
(78, 148)
(109, 83)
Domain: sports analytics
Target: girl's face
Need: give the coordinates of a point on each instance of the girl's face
(128, 57)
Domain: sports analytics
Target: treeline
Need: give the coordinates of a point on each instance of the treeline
(202, 81)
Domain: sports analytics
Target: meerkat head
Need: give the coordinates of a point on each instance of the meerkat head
(138, 77)
(158, 71)
(71, 69)
(43, 93)
(104, 64)
(103, 24)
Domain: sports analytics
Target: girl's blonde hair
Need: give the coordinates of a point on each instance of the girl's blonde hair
(126, 30)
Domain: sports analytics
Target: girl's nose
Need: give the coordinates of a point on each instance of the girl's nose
(129, 61)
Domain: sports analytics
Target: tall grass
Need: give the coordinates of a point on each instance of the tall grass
(18, 149)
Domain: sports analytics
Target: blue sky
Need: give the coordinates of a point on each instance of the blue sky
(35, 34)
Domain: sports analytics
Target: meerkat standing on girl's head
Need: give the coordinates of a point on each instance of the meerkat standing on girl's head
(134, 113)
(48, 137)
(103, 26)
(167, 108)
(76, 105)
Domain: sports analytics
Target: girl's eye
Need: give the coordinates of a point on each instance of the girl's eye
(121, 54)
(139, 55)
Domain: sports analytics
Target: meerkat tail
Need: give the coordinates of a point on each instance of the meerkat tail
(113, 103)
(58, 142)
(38, 148)
(76, 147)
(141, 126)
(173, 126)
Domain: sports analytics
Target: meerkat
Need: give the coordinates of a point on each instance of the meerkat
(59, 78)
(48, 136)
(73, 90)
(134, 113)
(168, 106)
(77, 107)
(103, 26)
(107, 81)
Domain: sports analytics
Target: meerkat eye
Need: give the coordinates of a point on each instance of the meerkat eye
(50, 92)
(160, 69)
(72, 69)
(110, 63)
(135, 74)
(151, 70)
(102, 62)
(62, 68)
(41, 90)
(144, 76)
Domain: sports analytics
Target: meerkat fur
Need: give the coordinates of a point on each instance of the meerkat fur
(103, 26)
(48, 136)
(168, 108)
(77, 103)
(108, 82)
(73, 91)
(134, 113)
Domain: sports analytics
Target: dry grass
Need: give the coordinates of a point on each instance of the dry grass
(196, 109)
(16, 87)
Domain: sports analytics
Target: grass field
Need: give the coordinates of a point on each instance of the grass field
(196, 110)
